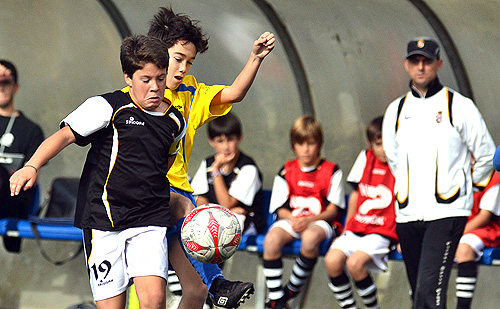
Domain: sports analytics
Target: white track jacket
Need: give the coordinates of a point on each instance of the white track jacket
(429, 142)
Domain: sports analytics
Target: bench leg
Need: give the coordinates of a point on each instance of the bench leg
(260, 288)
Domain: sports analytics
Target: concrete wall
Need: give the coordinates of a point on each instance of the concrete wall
(352, 54)
(351, 51)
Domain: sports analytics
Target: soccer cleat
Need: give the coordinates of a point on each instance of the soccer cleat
(277, 304)
(289, 294)
(230, 294)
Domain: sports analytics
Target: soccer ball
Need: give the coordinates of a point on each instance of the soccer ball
(211, 234)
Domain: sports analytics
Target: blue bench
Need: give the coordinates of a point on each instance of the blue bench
(23, 228)
(491, 256)
(256, 243)
(52, 230)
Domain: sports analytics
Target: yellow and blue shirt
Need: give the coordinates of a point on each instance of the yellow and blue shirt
(193, 100)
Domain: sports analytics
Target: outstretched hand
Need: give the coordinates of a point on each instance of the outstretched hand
(264, 45)
(24, 178)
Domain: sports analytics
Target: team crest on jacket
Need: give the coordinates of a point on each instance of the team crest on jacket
(439, 117)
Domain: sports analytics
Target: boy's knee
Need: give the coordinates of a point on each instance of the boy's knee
(196, 287)
(155, 298)
(272, 246)
(180, 206)
(313, 235)
(310, 252)
(311, 242)
(464, 253)
(355, 267)
(197, 293)
(272, 240)
(334, 263)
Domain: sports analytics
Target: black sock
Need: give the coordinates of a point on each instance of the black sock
(367, 291)
(465, 284)
(273, 271)
(341, 288)
(301, 272)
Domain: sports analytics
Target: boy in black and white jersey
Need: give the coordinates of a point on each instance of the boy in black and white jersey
(230, 177)
(124, 195)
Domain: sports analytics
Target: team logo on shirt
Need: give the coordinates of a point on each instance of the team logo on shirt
(379, 171)
(132, 121)
(439, 117)
(305, 183)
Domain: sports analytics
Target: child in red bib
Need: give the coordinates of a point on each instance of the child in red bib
(371, 226)
(482, 230)
(307, 194)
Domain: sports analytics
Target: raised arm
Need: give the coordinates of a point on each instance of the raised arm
(238, 89)
(25, 177)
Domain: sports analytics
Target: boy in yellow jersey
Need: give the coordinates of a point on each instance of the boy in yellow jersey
(199, 104)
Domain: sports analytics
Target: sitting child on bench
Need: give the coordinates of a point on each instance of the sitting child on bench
(370, 228)
(307, 194)
(482, 230)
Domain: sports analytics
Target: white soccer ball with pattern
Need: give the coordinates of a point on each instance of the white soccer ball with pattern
(211, 234)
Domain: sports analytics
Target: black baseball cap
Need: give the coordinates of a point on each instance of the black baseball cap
(9, 65)
(424, 46)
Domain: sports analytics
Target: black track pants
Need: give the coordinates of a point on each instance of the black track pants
(428, 251)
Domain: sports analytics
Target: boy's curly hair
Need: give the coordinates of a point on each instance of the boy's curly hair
(172, 28)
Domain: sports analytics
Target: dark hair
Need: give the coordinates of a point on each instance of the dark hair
(138, 50)
(9, 65)
(374, 129)
(305, 128)
(227, 125)
(172, 28)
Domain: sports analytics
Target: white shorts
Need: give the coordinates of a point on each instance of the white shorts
(475, 243)
(375, 245)
(114, 258)
(285, 224)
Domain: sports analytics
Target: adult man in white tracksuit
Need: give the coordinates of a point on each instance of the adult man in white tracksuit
(430, 136)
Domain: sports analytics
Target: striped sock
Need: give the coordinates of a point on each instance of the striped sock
(341, 288)
(301, 272)
(273, 271)
(466, 283)
(368, 292)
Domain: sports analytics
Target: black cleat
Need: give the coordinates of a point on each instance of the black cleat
(277, 304)
(230, 294)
